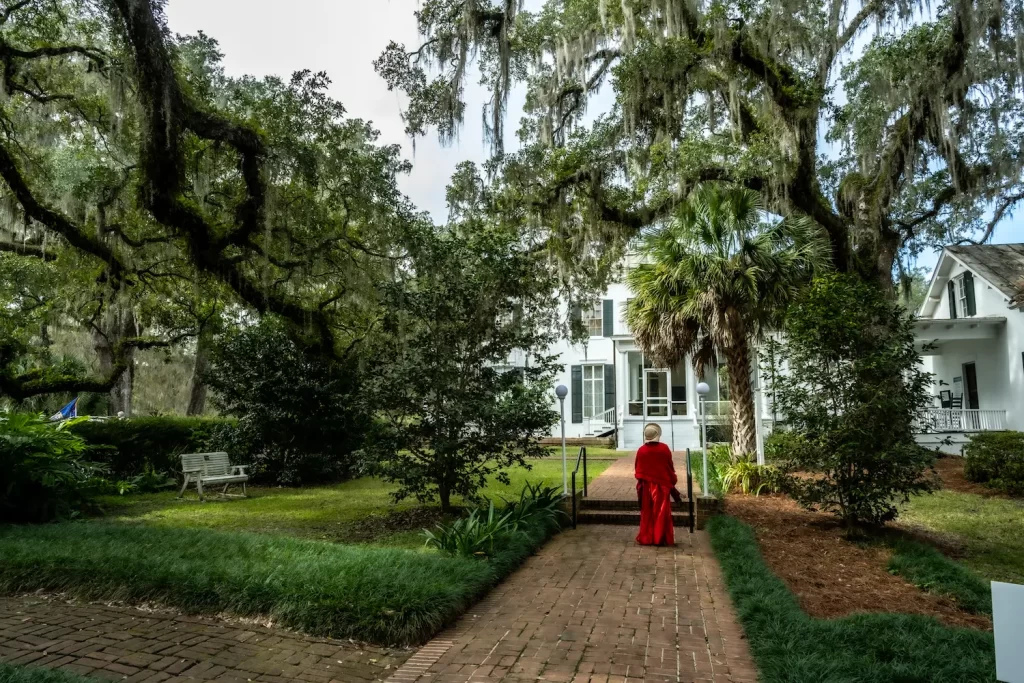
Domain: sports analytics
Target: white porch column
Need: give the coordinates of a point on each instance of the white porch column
(622, 398)
(692, 404)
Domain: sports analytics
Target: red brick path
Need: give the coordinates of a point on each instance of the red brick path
(120, 643)
(594, 607)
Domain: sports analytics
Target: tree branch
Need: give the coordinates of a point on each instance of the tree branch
(54, 220)
(27, 249)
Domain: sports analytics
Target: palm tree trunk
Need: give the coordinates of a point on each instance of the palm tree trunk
(744, 426)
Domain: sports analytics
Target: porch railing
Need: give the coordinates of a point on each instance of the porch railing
(938, 420)
(716, 409)
(603, 419)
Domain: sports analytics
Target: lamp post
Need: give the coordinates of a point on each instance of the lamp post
(702, 391)
(561, 391)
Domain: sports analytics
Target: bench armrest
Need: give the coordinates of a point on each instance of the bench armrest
(240, 469)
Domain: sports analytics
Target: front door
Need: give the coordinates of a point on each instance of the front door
(971, 384)
(656, 393)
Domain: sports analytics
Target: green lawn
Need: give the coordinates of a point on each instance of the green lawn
(355, 511)
(989, 529)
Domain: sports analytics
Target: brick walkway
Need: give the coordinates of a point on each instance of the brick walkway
(594, 607)
(618, 483)
(120, 643)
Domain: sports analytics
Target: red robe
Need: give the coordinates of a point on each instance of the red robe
(656, 477)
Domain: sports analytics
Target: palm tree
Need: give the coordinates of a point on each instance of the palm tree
(715, 278)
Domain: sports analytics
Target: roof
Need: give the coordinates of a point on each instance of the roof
(1001, 265)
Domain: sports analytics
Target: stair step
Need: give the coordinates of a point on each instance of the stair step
(606, 504)
(622, 517)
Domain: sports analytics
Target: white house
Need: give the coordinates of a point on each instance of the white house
(971, 338)
(614, 390)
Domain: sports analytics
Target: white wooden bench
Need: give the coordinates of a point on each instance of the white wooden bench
(211, 469)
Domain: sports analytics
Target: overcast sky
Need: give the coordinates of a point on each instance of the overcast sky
(343, 37)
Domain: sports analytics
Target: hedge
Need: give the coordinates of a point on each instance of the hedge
(129, 446)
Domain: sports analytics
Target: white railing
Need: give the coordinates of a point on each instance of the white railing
(937, 420)
(604, 420)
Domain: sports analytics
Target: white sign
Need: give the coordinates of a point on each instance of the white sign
(1008, 624)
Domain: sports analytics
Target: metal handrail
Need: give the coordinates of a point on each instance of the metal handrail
(689, 491)
(582, 457)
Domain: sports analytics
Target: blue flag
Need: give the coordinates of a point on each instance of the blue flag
(67, 412)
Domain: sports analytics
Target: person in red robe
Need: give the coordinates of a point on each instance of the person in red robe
(655, 489)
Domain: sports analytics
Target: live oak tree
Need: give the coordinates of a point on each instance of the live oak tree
(129, 159)
(920, 102)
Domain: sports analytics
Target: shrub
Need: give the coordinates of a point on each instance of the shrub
(853, 392)
(43, 471)
(302, 418)
(131, 447)
(749, 477)
(996, 459)
(782, 445)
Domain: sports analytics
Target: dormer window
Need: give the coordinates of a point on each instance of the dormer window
(961, 296)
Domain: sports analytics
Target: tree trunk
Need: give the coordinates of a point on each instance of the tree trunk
(197, 394)
(744, 425)
(116, 326)
(445, 493)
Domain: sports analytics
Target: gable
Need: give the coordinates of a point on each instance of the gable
(998, 266)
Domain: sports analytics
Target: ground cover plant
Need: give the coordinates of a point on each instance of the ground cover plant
(352, 511)
(790, 646)
(930, 570)
(382, 595)
(10, 673)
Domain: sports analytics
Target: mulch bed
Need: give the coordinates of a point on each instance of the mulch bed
(831, 576)
(951, 471)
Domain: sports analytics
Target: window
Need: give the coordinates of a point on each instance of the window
(593, 390)
(961, 296)
(593, 320)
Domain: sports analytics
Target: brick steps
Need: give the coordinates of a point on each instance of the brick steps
(623, 517)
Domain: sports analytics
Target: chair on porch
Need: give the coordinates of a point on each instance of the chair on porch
(956, 403)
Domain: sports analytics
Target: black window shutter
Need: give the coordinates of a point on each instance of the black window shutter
(576, 313)
(576, 394)
(952, 298)
(972, 308)
(608, 317)
(609, 387)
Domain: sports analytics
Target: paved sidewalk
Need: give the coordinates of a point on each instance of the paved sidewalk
(618, 483)
(594, 607)
(122, 643)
